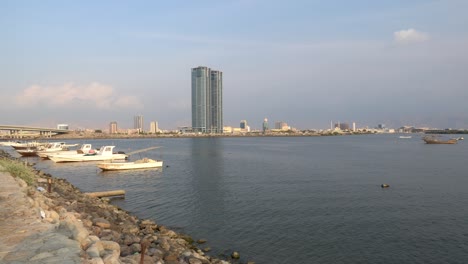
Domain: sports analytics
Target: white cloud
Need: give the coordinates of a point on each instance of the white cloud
(69, 95)
(409, 36)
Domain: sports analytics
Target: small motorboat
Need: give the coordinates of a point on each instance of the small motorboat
(138, 164)
(29, 152)
(104, 153)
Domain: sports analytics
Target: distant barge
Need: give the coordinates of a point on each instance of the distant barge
(434, 140)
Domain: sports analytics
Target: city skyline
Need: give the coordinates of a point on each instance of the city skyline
(305, 62)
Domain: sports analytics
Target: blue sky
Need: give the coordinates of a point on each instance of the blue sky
(87, 63)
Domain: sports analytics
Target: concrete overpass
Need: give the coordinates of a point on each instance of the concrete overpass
(26, 131)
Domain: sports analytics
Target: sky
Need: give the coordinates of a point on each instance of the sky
(304, 62)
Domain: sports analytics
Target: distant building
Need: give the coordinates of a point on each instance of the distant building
(62, 126)
(154, 127)
(113, 127)
(342, 126)
(354, 126)
(243, 124)
(265, 125)
(138, 123)
(282, 125)
(207, 100)
(244, 127)
(381, 126)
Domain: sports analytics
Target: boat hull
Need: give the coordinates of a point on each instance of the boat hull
(84, 157)
(26, 152)
(435, 141)
(112, 166)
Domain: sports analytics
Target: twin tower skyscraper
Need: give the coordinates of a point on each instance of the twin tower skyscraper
(207, 100)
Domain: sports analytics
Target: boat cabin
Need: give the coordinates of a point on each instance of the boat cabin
(106, 150)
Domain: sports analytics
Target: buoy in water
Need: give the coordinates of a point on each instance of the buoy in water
(384, 185)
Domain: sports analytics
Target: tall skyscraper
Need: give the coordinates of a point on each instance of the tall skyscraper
(138, 123)
(113, 127)
(207, 100)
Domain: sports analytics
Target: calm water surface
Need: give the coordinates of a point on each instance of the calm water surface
(299, 199)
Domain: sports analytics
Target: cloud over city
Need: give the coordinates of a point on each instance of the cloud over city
(409, 36)
(69, 95)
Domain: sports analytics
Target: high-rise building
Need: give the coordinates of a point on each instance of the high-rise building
(154, 127)
(265, 125)
(216, 104)
(138, 123)
(113, 127)
(207, 100)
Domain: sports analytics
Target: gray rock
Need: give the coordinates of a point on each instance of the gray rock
(201, 241)
(96, 261)
(125, 251)
(101, 222)
(136, 247)
(93, 251)
(195, 261)
(42, 256)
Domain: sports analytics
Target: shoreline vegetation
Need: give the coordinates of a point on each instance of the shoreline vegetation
(104, 232)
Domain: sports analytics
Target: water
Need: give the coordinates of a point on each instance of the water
(300, 199)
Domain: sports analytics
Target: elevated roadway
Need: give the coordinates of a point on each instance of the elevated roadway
(27, 131)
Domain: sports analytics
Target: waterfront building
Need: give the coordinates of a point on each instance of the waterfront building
(207, 100)
(154, 127)
(113, 127)
(281, 125)
(354, 126)
(138, 123)
(265, 125)
(243, 124)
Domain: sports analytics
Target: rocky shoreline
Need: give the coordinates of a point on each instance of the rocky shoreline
(106, 233)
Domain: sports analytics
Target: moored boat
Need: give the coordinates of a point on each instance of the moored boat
(139, 164)
(104, 153)
(435, 140)
(29, 152)
(84, 149)
(19, 145)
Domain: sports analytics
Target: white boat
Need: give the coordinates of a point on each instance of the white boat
(34, 144)
(138, 164)
(405, 136)
(27, 152)
(105, 153)
(84, 149)
(52, 147)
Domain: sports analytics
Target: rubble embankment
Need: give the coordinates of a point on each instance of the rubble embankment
(67, 226)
